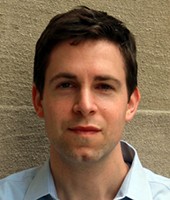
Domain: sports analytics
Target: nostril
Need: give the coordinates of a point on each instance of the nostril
(84, 109)
(85, 102)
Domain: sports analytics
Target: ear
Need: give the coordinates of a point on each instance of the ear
(133, 105)
(37, 102)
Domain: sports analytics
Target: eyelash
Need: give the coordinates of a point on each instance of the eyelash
(104, 87)
(69, 85)
(65, 85)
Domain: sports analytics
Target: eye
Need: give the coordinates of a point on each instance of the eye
(65, 85)
(104, 87)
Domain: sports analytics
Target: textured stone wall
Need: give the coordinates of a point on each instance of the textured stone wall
(22, 139)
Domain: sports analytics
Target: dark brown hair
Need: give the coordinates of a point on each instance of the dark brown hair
(80, 24)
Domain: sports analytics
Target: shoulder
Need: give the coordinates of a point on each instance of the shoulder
(15, 185)
(160, 185)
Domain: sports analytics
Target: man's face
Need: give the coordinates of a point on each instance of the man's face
(85, 102)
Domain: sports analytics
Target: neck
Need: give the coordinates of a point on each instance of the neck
(100, 180)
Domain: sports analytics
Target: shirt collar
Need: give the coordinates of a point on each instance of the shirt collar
(42, 185)
(135, 185)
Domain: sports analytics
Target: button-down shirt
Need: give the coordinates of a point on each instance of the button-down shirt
(38, 184)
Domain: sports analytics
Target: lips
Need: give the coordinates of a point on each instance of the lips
(85, 129)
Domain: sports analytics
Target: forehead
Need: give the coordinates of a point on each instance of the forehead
(91, 56)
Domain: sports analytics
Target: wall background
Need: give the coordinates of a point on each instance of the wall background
(22, 139)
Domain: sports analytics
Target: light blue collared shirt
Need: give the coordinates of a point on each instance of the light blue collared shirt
(38, 184)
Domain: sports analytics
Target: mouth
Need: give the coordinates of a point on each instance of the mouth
(85, 130)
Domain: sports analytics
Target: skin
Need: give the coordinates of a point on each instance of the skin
(85, 108)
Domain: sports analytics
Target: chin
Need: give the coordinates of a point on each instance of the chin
(85, 156)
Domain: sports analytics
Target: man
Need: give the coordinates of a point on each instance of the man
(85, 89)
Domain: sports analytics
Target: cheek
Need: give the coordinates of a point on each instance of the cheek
(115, 111)
(56, 114)
(114, 118)
(56, 107)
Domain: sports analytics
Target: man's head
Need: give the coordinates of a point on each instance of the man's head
(85, 84)
(81, 24)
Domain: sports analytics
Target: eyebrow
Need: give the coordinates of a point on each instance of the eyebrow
(107, 78)
(63, 75)
(97, 78)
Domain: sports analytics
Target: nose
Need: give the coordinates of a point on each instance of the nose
(85, 103)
